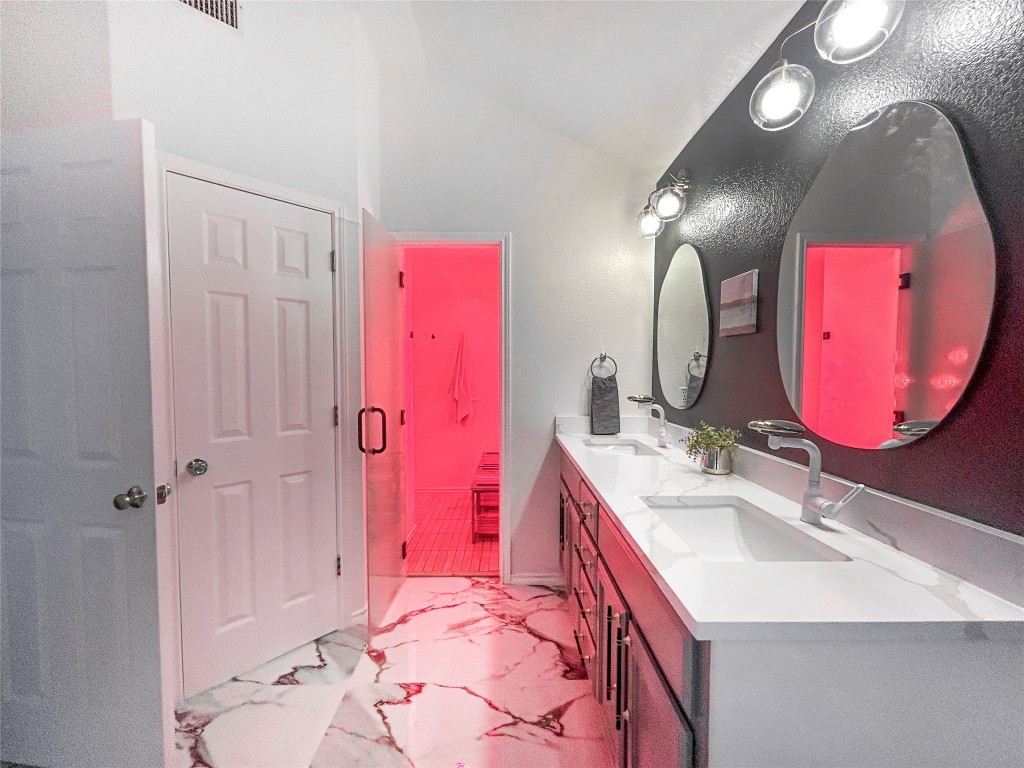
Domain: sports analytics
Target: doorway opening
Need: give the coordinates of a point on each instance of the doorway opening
(855, 318)
(453, 374)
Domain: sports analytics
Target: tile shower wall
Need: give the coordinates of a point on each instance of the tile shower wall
(964, 56)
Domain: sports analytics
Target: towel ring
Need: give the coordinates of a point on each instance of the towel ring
(697, 356)
(600, 359)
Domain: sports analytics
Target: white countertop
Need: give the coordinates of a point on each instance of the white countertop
(879, 593)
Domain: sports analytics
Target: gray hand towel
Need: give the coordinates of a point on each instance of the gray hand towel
(604, 406)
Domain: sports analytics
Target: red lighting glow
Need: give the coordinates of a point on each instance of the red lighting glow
(958, 355)
(945, 381)
(851, 342)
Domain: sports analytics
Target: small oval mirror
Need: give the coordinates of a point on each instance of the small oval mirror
(683, 329)
(886, 282)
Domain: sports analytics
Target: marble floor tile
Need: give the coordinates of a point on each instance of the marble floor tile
(458, 630)
(329, 660)
(476, 725)
(269, 726)
(274, 715)
(464, 673)
(469, 673)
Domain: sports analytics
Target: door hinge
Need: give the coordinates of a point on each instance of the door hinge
(405, 549)
(401, 279)
(401, 417)
(334, 261)
(335, 415)
(337, 565)
(904, 281)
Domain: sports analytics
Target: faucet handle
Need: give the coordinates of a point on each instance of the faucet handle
(832, 508)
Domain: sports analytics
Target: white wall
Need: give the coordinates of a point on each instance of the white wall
(54, 67)
(289, 97)
(581, 279)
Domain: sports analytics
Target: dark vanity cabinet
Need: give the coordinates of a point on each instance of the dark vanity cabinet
(656, 732)
(643, 663)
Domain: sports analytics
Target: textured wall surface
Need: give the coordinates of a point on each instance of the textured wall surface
(966, 57)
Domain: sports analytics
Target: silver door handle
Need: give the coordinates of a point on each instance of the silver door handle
(135, 497)
(197, 467)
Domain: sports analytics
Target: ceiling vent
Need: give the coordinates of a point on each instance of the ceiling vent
(221, 10)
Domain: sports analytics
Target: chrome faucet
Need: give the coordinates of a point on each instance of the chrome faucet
(641, 401)
(815, 507)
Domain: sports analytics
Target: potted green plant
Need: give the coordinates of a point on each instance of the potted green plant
(713, 447)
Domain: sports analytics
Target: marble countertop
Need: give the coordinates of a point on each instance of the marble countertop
(879, 593)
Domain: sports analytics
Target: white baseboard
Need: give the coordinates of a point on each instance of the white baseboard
(537, 579)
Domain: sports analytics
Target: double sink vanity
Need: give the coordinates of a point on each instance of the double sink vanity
(720, 630)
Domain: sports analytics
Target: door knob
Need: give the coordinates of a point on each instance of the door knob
(197, 467)
(135, 497)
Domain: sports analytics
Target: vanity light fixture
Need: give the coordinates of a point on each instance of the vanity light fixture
(782, 96)
(849, 30)
(670, 202)
(845, 31)
(647, 223)
(664, 204)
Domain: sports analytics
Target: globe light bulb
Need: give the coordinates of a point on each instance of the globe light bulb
(648, 224)
(858, 22)
(668, 203)
(780, 99)
(849, 30)
(782, 96)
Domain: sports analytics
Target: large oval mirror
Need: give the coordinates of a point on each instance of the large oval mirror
(683, 329)
(886, 282)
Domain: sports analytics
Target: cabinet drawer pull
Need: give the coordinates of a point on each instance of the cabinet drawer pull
(608, 656)
(579, 601)
(619, 665)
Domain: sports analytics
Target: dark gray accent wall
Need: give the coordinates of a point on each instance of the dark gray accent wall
(967, 58)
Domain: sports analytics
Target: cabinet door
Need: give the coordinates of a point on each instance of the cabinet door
(610, 669)
(657, 734)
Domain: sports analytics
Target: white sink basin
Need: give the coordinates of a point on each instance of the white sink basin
(619, 446)
(732, 530)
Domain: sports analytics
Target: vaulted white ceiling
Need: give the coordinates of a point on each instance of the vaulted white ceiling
(632, 80)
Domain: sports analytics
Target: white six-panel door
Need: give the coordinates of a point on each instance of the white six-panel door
(80, 655)
(252, 330)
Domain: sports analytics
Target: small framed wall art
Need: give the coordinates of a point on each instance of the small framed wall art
(738, 312)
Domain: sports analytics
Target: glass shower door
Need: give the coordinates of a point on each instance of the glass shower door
(381, 436)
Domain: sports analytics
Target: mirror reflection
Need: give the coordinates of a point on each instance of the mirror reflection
(683, 329)
(886, 282)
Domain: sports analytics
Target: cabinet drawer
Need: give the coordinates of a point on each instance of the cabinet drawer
(584, 607)
(588, 650)
(675, 649)
(586, 557)
(589, 514)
